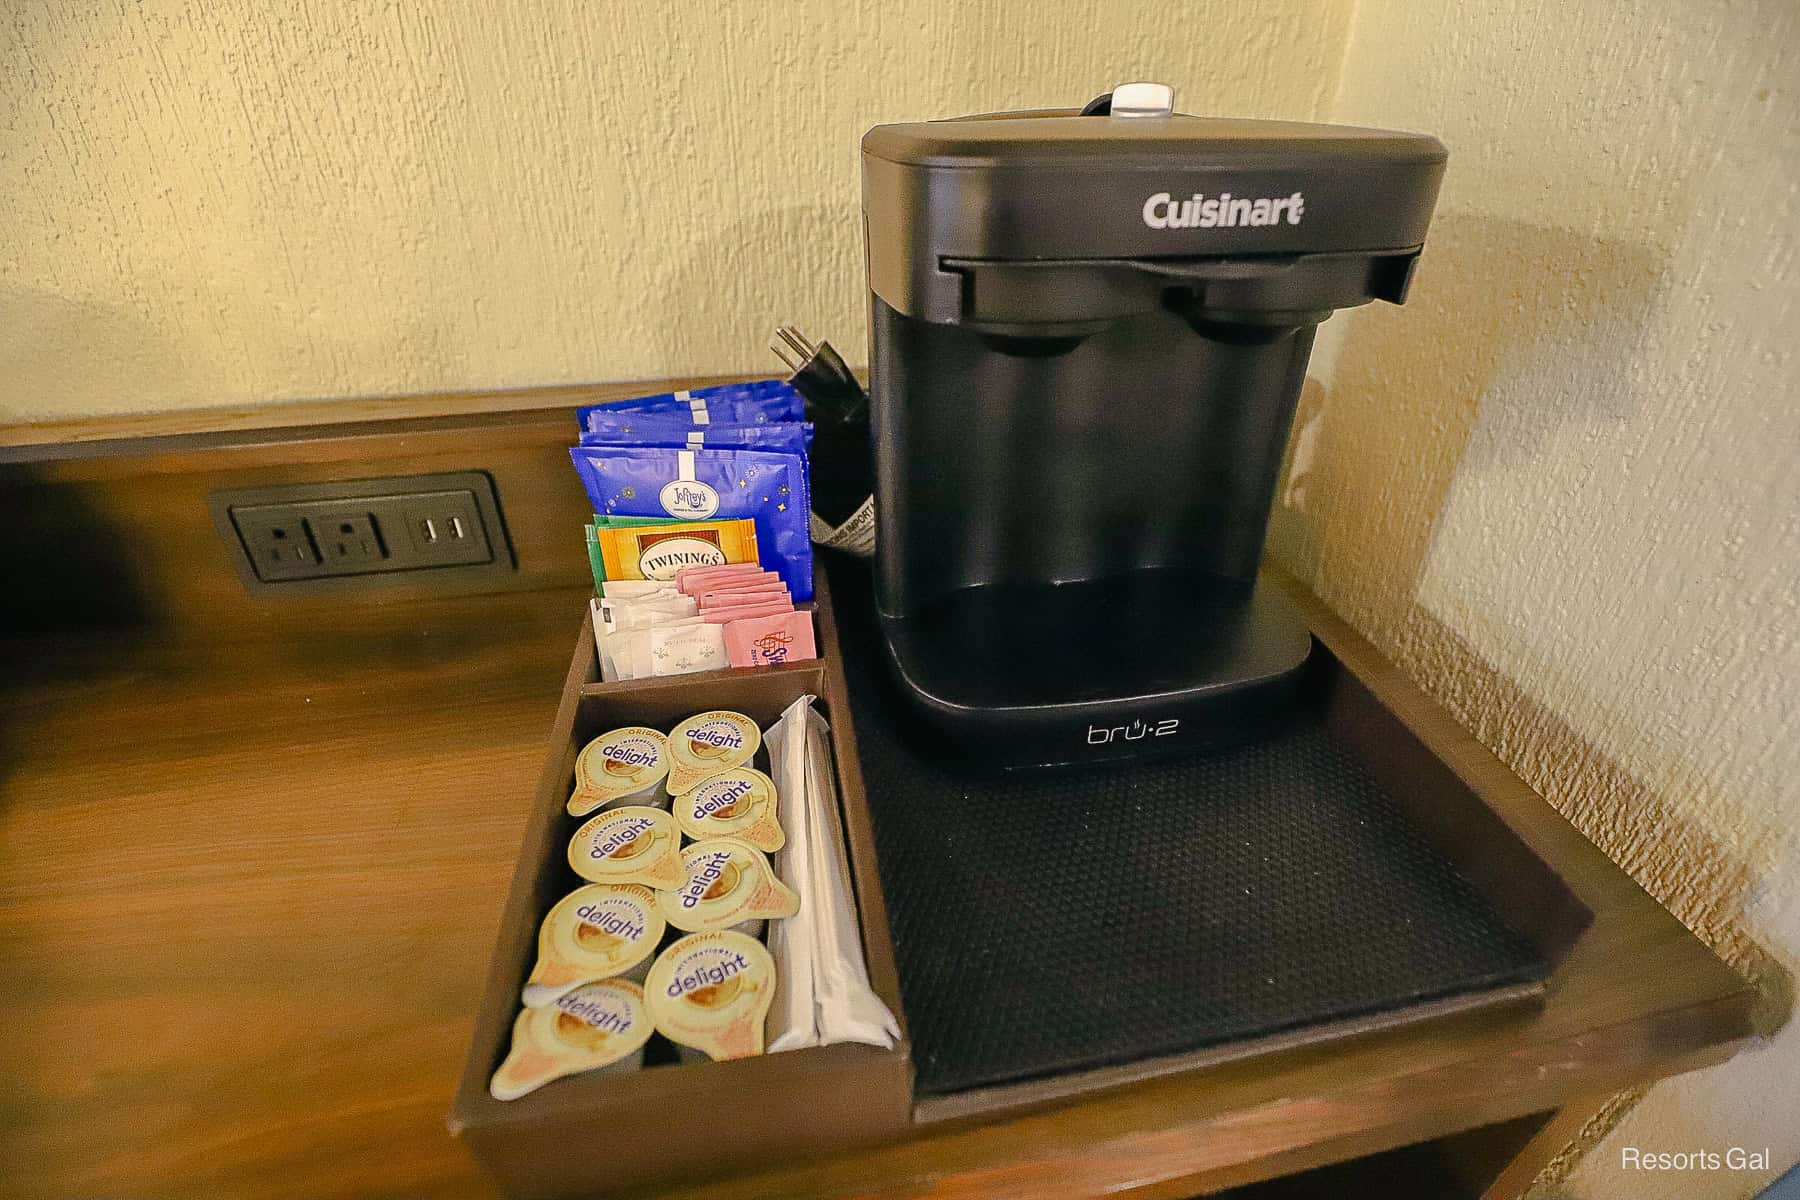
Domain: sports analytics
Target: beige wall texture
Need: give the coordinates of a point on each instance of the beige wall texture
(1562, 485)
(233, 202)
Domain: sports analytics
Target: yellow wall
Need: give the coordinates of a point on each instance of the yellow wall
(1562, 485)
(235, 202)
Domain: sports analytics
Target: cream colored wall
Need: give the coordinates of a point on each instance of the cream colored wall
(1562, 485)
(232, 202)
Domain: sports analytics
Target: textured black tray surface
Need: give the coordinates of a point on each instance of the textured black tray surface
(1062, 921)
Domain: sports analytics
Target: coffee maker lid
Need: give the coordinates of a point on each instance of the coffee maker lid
(1066, 138)
(1081, 197)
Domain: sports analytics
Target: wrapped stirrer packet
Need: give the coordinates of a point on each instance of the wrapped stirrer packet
(820, 947)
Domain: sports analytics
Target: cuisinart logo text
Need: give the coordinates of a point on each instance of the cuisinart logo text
(1224, 211)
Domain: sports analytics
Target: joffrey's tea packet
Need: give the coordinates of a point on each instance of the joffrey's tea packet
(678, 428)
(707, 743)
(594, 1027)
(699, 485)
(758, 403)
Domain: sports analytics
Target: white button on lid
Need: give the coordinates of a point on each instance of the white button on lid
(1143, 100)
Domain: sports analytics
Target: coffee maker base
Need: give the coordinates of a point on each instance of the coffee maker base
(1150, 663)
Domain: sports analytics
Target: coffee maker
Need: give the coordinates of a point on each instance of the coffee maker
(1088, 332)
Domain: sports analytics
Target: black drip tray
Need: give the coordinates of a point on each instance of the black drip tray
(1057, 922)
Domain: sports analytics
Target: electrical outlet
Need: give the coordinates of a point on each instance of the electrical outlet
(443, 528)
(347, 540)
(278, 543)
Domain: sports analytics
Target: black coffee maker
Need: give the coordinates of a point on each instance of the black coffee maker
(1088, 332)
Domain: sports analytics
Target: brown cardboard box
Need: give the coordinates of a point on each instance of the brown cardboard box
(591, 1134)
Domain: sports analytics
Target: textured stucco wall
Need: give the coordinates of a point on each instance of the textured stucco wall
(233, 202)
(1562, 485)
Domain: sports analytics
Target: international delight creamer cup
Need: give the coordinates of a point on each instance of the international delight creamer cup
(620, 766)
(738, 803)
(707, 743)
(598, 931)
(729, 885)
(710, 992)
(597, 1027)
(633, 844)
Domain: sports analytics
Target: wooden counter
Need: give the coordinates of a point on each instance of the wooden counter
(251, 867)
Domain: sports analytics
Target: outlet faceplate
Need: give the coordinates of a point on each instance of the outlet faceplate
(440, 530)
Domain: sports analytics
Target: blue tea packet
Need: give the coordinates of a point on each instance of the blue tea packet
(759, 403)
(677, 429)
(699, 485)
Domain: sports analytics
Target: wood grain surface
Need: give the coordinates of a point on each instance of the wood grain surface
(253, 855)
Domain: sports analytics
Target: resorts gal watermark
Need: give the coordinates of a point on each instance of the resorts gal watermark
(1734, 1158)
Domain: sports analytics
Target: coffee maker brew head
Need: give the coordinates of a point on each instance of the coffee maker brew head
(1088, 332)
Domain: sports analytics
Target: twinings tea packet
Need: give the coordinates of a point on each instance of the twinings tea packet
(728, 882)
(711, 991)
(629, 844)
(618, 763)
(739, 803)
(598, 1025)
(597, 931)
(658, 551)
(707, 743)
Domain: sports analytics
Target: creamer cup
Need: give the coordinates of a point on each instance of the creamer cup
(598, 1026)
(739, 803)
(711, 992)
(598, 931)
(707, 743)
(632, 844)
(728, 884)
(619, 765)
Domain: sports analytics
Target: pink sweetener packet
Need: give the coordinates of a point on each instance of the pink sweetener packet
(719, 569)
(738, 612)
(714, 597)
(692, 584)
(770, 641)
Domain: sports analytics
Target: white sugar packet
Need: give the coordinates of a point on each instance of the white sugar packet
(681, 649)
(625, 653)
(642, 614)
(624, 589)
